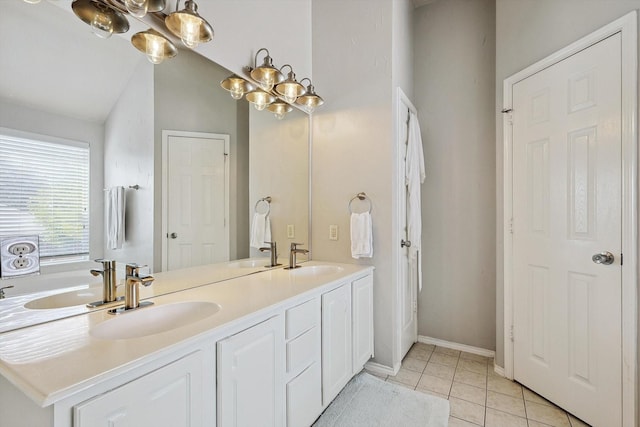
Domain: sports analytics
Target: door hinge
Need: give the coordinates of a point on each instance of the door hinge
(621, 259)
(415, 306)
(511, 333)
(509, 113)
(511, 226)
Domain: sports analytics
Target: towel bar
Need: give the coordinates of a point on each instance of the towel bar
(360, 196)
(266, 200)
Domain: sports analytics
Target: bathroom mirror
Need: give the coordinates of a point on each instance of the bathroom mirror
(58, 79)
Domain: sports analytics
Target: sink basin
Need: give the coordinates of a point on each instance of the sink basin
(153, 320)
(249, 263)
(66, 299)
(316, 270)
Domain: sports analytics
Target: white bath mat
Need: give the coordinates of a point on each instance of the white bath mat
(369, 401)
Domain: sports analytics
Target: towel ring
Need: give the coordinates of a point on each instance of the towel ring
(360, 196)
(266, 200)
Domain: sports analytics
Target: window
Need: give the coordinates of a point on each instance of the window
(44, 190)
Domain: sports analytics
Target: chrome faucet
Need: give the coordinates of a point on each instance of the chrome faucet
(274, 254)
(132, 289)
(108, 274)
(292, 255)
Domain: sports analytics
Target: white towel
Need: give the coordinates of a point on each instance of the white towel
(414, 177)
(361, 235)
(260, 230)
(115, 217)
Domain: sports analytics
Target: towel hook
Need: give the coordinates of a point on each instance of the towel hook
(360, 196)
(266, 200)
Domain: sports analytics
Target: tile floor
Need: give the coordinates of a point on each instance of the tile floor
(477, 395)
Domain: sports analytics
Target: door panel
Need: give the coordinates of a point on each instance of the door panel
(566, 208)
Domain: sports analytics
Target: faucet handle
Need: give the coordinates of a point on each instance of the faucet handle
(295, 245)
(107, 264)
(133, 269)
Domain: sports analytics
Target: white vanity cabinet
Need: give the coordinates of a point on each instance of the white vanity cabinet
(251, 376)
(362, 316)
(171, 396)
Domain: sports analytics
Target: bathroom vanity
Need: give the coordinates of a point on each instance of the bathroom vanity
(272, 348)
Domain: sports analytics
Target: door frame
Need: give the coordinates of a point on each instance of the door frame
(627, 27)
(165, 182)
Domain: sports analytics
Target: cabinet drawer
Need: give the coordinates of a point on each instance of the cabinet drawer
(301, 318)
(304, 401)
(303, 351)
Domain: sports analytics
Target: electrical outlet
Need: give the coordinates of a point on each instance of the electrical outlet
(21, 248)
(19, 256)
(291, 231)
(333, 232)
(21, 262)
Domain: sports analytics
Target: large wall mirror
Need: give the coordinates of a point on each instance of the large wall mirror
(59, 79)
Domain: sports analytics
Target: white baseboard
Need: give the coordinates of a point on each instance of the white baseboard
(455, 346)
(498, 370)
(382, 369)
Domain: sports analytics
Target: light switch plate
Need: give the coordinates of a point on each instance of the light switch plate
(291, 231)
(333, 232)
(19, 256)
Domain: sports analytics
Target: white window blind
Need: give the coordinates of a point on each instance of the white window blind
(44, 190)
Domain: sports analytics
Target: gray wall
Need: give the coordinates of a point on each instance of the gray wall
(188, 97)
(527, 31)
(454, 51)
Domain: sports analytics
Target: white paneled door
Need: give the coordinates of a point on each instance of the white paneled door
(566, 210)
(197, 199)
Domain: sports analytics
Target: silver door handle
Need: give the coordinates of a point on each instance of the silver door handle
(405, 243)
(605, 258)
(173, 235)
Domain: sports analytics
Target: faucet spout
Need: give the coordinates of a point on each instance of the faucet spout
(132, 286)
(292, 255)
(108, 274)
(274, 253)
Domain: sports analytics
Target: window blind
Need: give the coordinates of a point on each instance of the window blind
(44, 190)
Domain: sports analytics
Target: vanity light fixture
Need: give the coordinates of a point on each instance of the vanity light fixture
(104, 21)
(237, 86)
(290, 89)
(187, 24)
(309, 100)
(266, 75)
(153, 44)
(260, 99)
(279, 109)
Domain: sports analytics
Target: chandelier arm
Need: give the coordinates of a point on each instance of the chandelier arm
(255, 61)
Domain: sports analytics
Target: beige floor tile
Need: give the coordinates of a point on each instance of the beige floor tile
(419, 353)
(432, 393)
(447, 351)
(435, 384)
(502, 419)
(575, 422)
(467, 411)
(505, 403)
(475, 357)
(470, 378)
(530, 396)
(398, 383)
(504, 386)
(533, 423)
(405, 376)
(552, 416)
(444, 359)
(457, 422)
(440, 371)
(428, 347)
(469, 393)
(414, 364)
(473, 366)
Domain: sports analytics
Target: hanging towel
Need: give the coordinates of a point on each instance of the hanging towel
(260, 230)
(115, 217)
(414, 177)
(361, 235)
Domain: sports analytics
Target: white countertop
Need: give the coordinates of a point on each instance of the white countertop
(53, 360)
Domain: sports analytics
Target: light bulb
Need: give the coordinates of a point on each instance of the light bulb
(290, 98)
(137, 8)
(101, 25)
(260, 105)
(155, 51)
(236, 92)
(190, 31)
(280, 115)
(267, 83)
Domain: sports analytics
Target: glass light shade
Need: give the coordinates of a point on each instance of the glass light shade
(153, 44)
(290, 89)
(310, 100)
(237, 86)
(137, 8)
(189, 26)
(260, 99)
(102, 25)
(267, 75)
(279, 109)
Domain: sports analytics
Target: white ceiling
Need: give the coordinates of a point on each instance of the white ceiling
(50, 60)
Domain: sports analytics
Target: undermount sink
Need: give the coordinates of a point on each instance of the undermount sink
(316, 270)
(66, 299)
(249, 263)
(143, 322)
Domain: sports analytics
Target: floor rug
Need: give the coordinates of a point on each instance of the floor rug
(369, 401)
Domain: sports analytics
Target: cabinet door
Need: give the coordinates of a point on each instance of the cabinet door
(304, 403)
(251, 376)
(336, 342)
(362, 316)
(172, 396)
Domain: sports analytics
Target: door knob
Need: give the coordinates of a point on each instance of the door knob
(173, 235)
(605, 258)
(405, 243)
